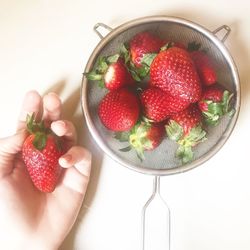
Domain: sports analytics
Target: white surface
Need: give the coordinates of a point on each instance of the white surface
(45, 45)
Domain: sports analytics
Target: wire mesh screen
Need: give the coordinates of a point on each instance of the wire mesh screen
(162, 157)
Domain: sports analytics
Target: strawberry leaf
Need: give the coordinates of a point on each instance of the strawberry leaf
(113, 58)
(40, 140)
(231, 112)
(126, 149)
(140, 154)
(196, 135)
(193, 46)
(139, 140)
(147, 59)
(215, 108)
(30, 119)
(174, 131)
(146, 120)
(125, 52)
(218, 109)
(34, 127)
(211, 119)
(226, 99)
(167, 46)
(101, 83)
(185, 154)
(102, 65)
(122, 136)
(134, 74)
(138, 73)
(143, 71)
(93, 76)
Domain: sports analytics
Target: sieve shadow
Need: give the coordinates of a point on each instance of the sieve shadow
(72, 111)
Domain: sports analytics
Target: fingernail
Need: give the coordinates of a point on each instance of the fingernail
(67, 157)
(53, 94)
(61, 123)
(64, 160)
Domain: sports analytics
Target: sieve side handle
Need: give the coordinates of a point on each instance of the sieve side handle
(102, 26)
(155, 194)
(222, 29)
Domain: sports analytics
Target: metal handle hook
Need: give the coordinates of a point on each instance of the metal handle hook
(102, 25)
(156, 191)
(226, 29)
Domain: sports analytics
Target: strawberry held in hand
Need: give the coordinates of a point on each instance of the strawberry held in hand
(214, 103)
(111, 72)
(119, 110)
(41, 152)
(185, 128)
(174, 72)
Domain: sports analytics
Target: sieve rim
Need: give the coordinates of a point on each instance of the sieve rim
(177, 20)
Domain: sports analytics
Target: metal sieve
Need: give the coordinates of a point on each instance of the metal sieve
(161, 161)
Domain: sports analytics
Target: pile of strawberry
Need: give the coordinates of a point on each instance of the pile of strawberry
(159, 88)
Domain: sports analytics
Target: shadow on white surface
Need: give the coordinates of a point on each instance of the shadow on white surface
(72, 112)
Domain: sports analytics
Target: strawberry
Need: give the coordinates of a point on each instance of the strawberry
(158, 105)
(174, 72)
(111, 72)
(185, 128)
(144, 136)
(119, 110)
(40, 153)
(204, 67)
(203, 63)
(143, 43)
(214, 103)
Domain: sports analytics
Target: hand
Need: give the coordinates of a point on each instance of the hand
(30, 219)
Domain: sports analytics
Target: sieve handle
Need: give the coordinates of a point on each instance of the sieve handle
(155, 194)
(225, 29)
(99, 26)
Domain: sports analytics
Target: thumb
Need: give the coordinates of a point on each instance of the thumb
(9, 147)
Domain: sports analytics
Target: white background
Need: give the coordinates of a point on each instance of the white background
(45, 44)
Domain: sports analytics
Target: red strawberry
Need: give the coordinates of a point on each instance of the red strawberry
(185, 128)
(117, 76)
(214, 103)
(173, 71)
(144, 43)
(111, 72)
(119, 110)
(157, 105)
(40, 153)
(203, 63)
(145, 136)
(205, 68)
